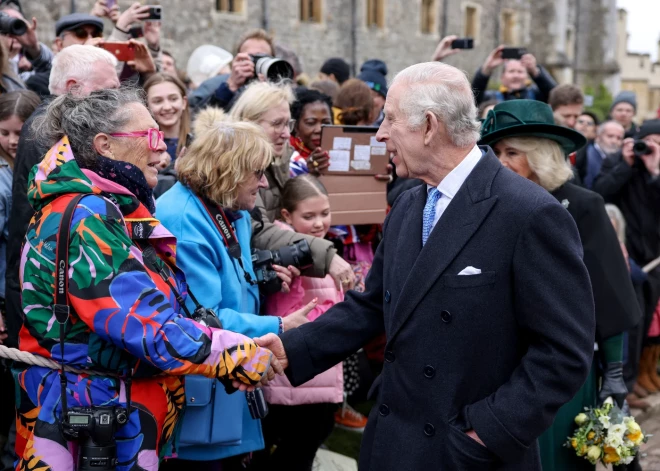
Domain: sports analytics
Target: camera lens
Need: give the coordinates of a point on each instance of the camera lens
(11, 25)
(641, 148)
(273, 69)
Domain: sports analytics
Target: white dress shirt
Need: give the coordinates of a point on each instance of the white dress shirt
(453, 182)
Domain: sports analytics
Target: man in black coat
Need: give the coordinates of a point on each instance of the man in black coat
(480, 288)
(633, 184)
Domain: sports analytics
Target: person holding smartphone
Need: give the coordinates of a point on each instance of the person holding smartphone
(521, 77)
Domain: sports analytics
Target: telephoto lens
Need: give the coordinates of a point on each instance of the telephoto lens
(641, 148)
(272, 68)
(11, 25)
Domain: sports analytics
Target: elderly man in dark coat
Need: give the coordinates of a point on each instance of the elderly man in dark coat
(480, 288)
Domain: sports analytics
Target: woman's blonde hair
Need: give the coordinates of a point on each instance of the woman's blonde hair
(546, 159)
(223, 156)
(258, 98)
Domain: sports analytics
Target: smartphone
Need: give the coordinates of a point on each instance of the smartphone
(124, 52)
(110, 3)
(513, 52)
(462, 43)
(136, 32)
(155, 13)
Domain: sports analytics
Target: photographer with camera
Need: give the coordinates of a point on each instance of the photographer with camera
(517, 79)
(105, 296)
(19, 40)
(253, 60)
(220, 176)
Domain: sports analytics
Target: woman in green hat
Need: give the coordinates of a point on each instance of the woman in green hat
(526, 140)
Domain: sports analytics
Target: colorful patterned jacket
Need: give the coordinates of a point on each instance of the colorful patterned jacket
(123, 315)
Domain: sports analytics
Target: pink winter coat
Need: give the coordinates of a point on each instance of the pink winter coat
(327, 387)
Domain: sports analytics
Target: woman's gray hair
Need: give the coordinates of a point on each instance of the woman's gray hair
(616, 215)
(82, 118)
(444, 91)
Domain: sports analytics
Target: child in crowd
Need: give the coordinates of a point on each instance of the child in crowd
(15, 108)
(302, 418)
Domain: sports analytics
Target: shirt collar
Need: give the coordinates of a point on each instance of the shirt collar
(450, 185)
(600, 151)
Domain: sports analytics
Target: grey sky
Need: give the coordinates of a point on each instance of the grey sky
(643, 25)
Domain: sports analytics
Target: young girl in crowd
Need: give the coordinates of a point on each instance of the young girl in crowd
(15, 108)
(302, 418)
(167, 101)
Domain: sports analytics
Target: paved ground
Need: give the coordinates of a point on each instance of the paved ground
(650, 422)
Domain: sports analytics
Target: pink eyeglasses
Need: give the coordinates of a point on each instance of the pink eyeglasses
(153, 135)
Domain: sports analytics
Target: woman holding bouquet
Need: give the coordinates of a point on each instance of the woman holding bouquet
(524, 137)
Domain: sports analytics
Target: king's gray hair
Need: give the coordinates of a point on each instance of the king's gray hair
(82, 118)
(76, 62)
(444, 91)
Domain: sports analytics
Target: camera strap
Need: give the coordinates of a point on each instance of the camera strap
(61, 307)
(225, 229)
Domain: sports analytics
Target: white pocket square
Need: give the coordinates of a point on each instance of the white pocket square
(470, 271)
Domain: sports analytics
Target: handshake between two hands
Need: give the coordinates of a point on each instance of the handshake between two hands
(279, 360)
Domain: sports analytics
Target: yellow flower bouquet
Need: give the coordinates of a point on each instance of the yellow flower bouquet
(607, 435)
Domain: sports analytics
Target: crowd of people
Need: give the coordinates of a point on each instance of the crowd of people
(133, 199)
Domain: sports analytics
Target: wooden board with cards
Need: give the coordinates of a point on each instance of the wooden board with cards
(356, 197)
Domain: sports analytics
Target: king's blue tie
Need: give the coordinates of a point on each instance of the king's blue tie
(429, 213)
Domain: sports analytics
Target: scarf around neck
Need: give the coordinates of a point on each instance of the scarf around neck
(126, 175)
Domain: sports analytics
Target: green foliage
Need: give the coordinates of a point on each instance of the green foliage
(602, 101)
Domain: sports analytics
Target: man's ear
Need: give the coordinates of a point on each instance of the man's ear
(103, 145)
(431, 127)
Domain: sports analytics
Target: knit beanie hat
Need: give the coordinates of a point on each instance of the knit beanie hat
(625, 97)
(337, 67)
(373, 73)
(648, 127)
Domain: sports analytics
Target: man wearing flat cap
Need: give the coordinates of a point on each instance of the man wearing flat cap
(77, 28)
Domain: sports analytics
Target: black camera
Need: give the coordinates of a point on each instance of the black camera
(206, 317)
(93, 428)
(272, 68)
(11, 25)
(641, 148)
(297, 254)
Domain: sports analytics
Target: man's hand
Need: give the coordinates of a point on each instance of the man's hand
(29, 40)
(95, 42)
(273, 343)
(152, 34)
(165, 161)
(627, 151)
(386, 177)
(298, 318)
(652, 160)
(143, 62)
(100, 9)
(242, 69)
(342, 273)
(135, 12)
(473, 435)
(529, 63)
(493, 61)
(444, 49)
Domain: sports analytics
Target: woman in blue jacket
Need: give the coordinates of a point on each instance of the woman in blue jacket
(220, 177)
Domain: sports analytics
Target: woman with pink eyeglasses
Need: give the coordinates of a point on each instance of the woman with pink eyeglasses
(112, 302)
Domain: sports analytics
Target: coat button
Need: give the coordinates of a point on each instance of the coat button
(429, 371)
(445, 316)
(389, 356)
(388, 296)
(429, 430)
(384, 410)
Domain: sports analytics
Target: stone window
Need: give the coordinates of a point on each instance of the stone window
(229, 6)
(471, 21)
(375, 14)
(427, 16)
(508, 25)
(310, 11)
